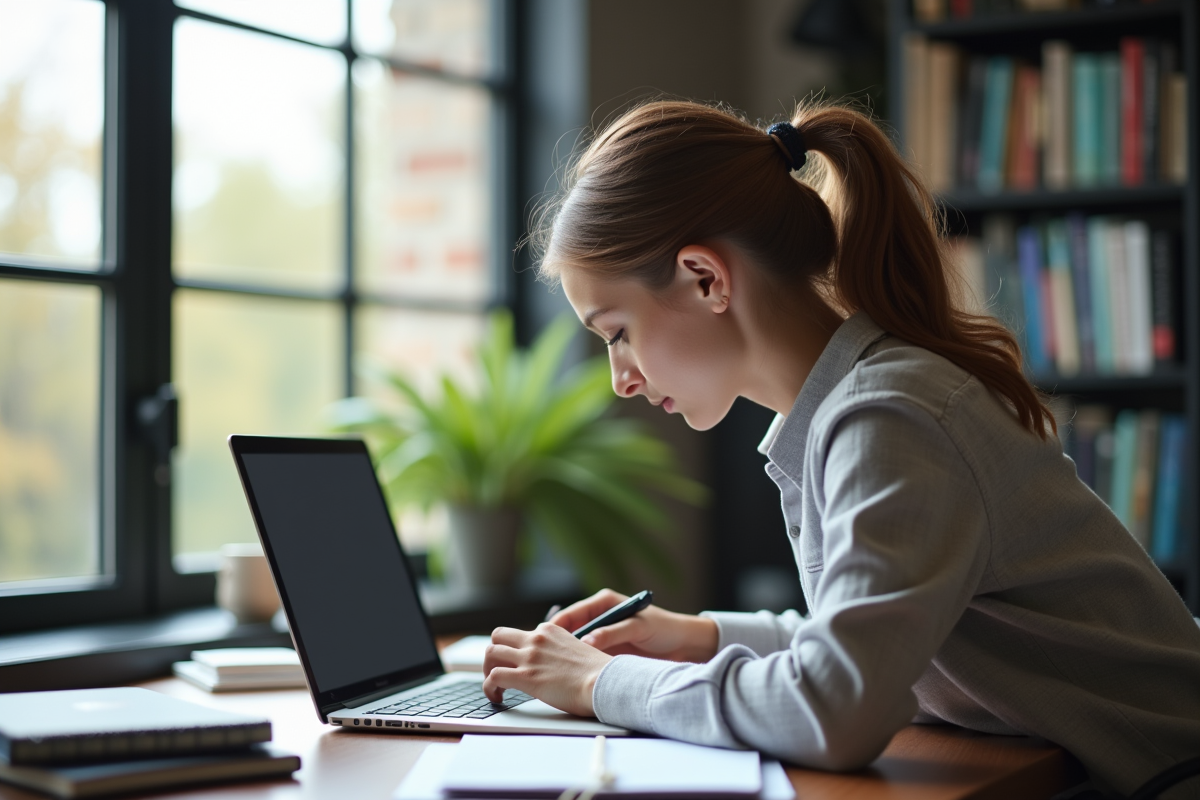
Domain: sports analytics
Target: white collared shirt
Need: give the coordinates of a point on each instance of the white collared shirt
(956, 569)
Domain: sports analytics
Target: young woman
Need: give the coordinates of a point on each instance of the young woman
(955, 567)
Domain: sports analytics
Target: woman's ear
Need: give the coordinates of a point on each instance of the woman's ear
(704, 276)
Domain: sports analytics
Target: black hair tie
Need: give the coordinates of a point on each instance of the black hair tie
(790, 142)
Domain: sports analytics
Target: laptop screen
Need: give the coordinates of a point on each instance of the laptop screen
(349, 595)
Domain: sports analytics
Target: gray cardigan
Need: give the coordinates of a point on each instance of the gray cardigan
(956, 569)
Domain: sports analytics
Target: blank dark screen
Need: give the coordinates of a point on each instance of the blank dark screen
(354, 607)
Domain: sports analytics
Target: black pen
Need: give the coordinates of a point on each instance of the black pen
(617, 613)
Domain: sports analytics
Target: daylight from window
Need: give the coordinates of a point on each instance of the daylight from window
(51, 123)
(259, 201)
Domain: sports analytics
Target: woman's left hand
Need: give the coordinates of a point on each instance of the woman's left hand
(546, 662)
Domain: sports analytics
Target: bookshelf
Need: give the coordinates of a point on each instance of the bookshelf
(1164, 201)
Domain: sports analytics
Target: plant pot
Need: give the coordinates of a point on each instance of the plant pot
(483, 546)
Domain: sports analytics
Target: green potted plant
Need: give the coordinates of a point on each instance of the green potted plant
(534, 444)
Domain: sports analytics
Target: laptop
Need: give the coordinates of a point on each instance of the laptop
(356, 620)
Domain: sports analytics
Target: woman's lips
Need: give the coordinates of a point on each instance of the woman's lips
(668, 405)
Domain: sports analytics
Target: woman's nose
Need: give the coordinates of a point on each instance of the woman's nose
(626, 379)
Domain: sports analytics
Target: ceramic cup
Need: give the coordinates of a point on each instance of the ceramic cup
(244, 584)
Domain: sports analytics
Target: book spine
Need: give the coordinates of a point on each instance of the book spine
(1168, 63)
(1132, 88)
(1137, 270)
(1163, 300)
(1110, 116)
(1177, 157)
(134, 744)
(1081, 275)
(1097, 251)
(1151, 81)
(1003, 274)
(916, 99)
(1168, 497)
(1057, 76)
(1029, 260)
(943, 91)
(1118, 303)
(1024, 147)
(1145, 460)
(1066, 325)
(993, 140)
(1124, 453)
(972, 123)
(1086, 91)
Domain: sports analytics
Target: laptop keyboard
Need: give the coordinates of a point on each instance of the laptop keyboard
(457, 701)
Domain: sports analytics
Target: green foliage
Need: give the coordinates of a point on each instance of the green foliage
(533, 438)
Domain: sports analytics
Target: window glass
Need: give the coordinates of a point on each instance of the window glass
(321, 21)
(422, 346)
(51, 129)
(423, 185)
(259, 156)
(243, 365)
(49, 434)
(454, 35)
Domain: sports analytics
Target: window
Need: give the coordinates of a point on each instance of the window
(243, 200)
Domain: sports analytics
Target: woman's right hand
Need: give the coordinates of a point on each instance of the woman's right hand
(653, 632)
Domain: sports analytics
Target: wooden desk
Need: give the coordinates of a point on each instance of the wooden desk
(922, 762)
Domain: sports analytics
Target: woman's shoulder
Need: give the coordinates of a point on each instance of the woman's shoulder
(895, 371)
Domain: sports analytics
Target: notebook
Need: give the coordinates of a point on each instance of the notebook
(545, 766)
(425, 781)
(99, 780)
(81, 724)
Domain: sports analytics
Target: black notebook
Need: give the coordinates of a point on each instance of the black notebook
(119, 777)
(109, 724)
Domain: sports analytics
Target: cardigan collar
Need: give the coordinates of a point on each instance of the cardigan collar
(785, 441)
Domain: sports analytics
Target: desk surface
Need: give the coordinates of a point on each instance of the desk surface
(925, 762)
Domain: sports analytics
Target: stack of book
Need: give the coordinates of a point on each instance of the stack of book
(1135, 461)
(101, 742)
(1086, 294)
(230, 669)
(1079, 119)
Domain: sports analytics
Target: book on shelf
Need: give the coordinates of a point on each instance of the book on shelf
(1084, 294)
(929, 11)
(1077, 119)
(1134, 460)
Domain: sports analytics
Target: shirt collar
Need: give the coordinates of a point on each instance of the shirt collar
(786, 438)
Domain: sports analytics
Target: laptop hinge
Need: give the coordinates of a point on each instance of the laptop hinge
(399, 687)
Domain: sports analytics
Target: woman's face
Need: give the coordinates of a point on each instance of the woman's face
(676, 346)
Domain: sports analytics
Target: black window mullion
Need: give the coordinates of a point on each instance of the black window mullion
(143, 262)
(349, 229)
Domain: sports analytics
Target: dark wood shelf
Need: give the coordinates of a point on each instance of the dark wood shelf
(1050, 23)
(1105, 384)
(973, 200)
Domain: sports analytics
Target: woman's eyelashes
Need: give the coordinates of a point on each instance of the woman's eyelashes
(620, 335)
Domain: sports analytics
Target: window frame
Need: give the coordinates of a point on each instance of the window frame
(137, 286)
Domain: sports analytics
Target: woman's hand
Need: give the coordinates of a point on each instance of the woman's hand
(548, 663)
(653, 632)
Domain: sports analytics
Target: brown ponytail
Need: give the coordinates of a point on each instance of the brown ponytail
(866, 232)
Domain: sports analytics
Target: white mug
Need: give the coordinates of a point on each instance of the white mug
(244, 584)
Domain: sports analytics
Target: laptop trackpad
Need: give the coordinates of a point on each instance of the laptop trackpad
(538, 710)
(535, 715)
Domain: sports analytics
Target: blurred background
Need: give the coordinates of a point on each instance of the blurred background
(244, 201)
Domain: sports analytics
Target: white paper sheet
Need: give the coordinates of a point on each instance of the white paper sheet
(424, 780)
